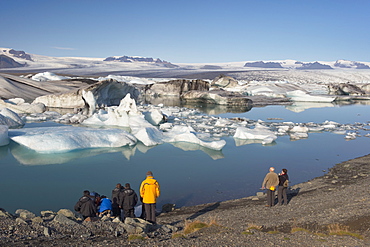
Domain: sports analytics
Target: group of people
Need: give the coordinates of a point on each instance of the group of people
(123, 199)
(273, 181)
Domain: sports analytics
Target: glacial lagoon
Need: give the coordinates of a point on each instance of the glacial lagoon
(188, 174)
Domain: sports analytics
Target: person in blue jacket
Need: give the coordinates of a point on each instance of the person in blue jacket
(105, 206)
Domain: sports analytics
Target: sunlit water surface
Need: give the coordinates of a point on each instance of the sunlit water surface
(53, 181)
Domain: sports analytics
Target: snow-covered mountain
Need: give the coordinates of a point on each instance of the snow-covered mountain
(84, 65)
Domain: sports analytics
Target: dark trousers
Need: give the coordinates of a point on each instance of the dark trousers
(116, 211)
(282, 195)
(150, 212)
(129, 212)
(270, 198)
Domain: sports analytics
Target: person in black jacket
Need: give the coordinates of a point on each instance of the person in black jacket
(283, 186)
(86, 205)
(128, 201)
(116, 211)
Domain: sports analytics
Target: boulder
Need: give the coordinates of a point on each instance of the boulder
(61, 219)
(24, 214)
(168, 207)
(67, 213)
(4, 213)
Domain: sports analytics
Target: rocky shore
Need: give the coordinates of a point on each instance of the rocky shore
(332, 210)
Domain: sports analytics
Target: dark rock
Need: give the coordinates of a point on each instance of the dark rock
(20, 54)
(175, 87)
(315, 65)
(8, 62)
(262, 64)
(168, 207)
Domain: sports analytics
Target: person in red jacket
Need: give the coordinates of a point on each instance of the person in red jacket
(149, 191)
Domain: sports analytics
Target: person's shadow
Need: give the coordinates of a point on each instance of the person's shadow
(204, 210)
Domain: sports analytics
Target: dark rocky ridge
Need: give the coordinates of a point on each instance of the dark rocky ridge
(128, 59)
(8, 62)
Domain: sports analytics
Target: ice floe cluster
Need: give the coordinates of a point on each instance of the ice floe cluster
(150, 125)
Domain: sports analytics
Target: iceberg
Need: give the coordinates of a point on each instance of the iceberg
(66, 138)
(10, 118)
(186, 134)
(260, 132)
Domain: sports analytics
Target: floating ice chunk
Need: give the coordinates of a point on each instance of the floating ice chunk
(315, 129)
(10, 118)
(165, 126)
(283, 129)
(4, 139)
(258, 133)
(330, 125)
(351, 136)
(299, 95)
(45, 116)
(222, 122)
(298, 135)
(301, 129)
(149, 136)
(185, 134)
(67, 138)
(154, 116)
(117, 116)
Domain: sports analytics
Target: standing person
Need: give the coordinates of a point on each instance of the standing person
(128, 201)
(270, 182)
(149, 191)
(86, 205)
(116, 211)
(283, 185)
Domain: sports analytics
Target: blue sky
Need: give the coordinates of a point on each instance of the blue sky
(200, 31)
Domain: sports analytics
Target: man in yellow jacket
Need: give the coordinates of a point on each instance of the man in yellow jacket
(149, 191)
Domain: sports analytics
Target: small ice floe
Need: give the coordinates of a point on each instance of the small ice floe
(260, 132)
(329, 124)
(350, 136)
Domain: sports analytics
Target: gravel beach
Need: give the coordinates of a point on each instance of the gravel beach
(332, 210)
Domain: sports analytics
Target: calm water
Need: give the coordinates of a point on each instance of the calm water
(40, 181)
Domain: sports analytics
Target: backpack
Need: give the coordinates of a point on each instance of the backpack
(286, 183)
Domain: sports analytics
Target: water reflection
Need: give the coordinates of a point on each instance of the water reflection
(26, 156)
(210, 109)
(302, 106)
(242, 142)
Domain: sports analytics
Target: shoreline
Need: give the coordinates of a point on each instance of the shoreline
(338, 199)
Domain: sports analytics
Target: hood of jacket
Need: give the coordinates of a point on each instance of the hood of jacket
(129, 192)
(85, 199)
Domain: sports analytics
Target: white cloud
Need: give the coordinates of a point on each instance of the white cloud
(64, 48)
